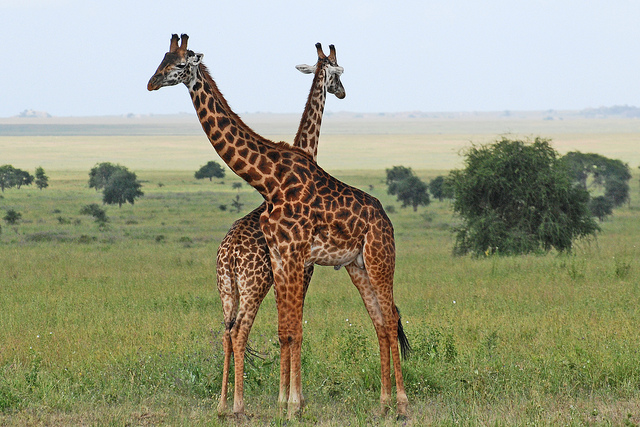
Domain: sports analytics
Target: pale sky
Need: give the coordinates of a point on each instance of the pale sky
(85, 58)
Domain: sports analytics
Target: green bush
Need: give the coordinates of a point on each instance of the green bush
(12, 217)
(517, 197)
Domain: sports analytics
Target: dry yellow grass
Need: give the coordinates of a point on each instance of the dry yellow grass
(371, 142)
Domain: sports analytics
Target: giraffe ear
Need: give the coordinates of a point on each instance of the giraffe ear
(335, 69)
(306, 69)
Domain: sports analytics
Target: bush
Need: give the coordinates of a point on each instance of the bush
(95, 211)
(517, 197)
(12, 217)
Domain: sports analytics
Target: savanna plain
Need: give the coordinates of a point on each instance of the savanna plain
(121, 324)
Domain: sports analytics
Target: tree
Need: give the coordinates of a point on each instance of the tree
(611, 174)
(600, 207)
(395, 175)
(517, 197)
(14, 177)
(440, 188)
(99, 175)
(7, 173)
(22, 177)
(122, 187)
(42, 180)
(12, 217)
(211, 170)
(616, 191)
(407, 187)
(237, 204)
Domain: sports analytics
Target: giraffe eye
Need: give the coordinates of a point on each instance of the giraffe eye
(181, 65)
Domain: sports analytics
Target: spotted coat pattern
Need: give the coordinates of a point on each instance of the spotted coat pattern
(243, 265)
(310, 217)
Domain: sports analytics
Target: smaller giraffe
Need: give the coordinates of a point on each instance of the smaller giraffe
(243, 265)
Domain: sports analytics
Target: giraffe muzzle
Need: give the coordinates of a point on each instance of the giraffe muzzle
(155, 82)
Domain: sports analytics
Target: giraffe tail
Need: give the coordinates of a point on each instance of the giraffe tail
(405, 347)
(251, 354)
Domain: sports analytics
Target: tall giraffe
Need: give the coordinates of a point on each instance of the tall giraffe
(243, 267)
(310, 217)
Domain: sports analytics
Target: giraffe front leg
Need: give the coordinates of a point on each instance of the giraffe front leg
(285, 369)
(290, 292)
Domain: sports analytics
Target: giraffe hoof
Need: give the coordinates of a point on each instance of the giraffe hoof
(241, 417)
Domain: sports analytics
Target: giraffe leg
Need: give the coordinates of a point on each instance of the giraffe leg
(360, 279)
(290, 291)
(226, 345)
(229, 309)
(379, 259)
(239, 336)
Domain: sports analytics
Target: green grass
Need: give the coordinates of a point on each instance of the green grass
(122, 325)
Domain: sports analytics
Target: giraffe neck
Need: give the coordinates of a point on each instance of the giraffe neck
(241, 148)
(309, 128)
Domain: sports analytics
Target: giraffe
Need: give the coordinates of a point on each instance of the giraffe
(310, 218)
(243, 266)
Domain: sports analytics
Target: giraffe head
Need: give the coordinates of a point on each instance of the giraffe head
(178, 66)
(331, 67)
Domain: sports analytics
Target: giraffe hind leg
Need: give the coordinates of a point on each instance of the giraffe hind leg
(360, 279)
(379, 261)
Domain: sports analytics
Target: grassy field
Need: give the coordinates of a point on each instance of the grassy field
(370, 142)
(121, 325)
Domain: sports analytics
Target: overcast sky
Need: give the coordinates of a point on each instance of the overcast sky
(84, 57)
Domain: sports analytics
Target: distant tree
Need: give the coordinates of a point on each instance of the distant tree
(518, 197)
(7, 177)
(12, 217)
(395, 175)
(42, 180)
(611, 174)
(122, 187)
(440, 188)
(601, 207)
(99, 175)
(616, 191)
(14, 177)
(237, 204)
(22, 177)
(236, 185)
(211, 170)
(412, 192)
(407, 187)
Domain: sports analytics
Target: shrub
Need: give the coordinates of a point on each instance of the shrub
(95, 211)
(516, 197)
(12, 217)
